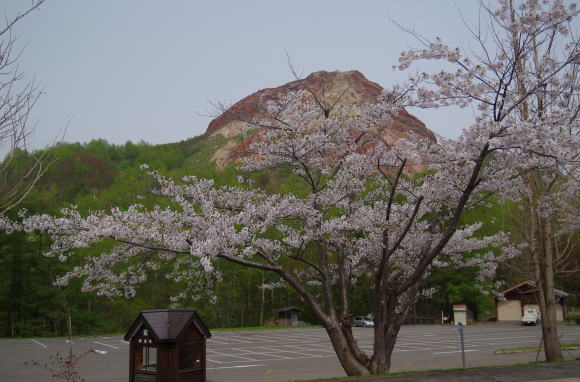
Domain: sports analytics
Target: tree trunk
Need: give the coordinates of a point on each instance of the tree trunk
(12, 325)
(262, 301)
(68, 317)
(552, 348)
(346, 357)
(541, 253)
(387, 328)
(248, 304)
(390, 341)
(381, 361)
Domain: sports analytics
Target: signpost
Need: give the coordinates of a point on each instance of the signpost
(460, 328)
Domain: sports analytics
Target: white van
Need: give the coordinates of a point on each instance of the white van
(530, 317)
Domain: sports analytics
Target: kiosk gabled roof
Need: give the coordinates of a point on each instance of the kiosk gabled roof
(167, 324)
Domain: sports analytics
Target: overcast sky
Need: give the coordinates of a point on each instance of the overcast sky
(148, 69)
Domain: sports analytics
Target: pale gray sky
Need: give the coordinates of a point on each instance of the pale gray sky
(144, 69)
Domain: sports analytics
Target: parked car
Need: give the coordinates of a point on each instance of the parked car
(363, 322)
(530, 317)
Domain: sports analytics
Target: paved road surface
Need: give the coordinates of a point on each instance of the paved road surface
(288, 354)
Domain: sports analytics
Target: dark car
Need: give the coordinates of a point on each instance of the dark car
(363, 322)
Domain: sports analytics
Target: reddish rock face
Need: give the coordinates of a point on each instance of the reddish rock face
(349, 87)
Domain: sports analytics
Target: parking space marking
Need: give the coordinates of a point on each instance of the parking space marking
(234, 367)
(455, 351)
(10, 345)
(271, 338)
(111, 346)
(266, 354)
(318, 350)
(40, 343)
(231, 356)
(406, 348)
(291, 352)
(218, 342)
(232, 359)
(419, 346)
(235, 339)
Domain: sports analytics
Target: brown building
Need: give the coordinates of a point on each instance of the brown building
(511, 303)
(167, 345)
(288, 316)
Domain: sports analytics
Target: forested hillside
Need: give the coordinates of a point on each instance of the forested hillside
(99, 175)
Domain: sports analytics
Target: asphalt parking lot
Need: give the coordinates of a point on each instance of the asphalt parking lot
(288, 354)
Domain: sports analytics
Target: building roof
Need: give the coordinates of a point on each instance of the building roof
(289, 308)
(167, 324)
(532, 284)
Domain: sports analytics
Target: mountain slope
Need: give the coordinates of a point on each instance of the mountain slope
(343, 88)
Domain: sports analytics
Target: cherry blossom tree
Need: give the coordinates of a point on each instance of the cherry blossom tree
(361, 216)
(523, 77)
(368, 209)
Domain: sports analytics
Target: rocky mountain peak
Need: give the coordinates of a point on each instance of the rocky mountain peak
(348, 87)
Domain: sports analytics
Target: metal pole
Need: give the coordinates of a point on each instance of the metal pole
(540, 347)
(460, 328)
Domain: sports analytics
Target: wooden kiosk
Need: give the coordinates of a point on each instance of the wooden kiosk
(167, 345)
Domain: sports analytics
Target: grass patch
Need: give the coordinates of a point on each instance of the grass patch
(535, 348)
(421, 372)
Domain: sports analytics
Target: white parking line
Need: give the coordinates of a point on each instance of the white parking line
(235, 339)
(231, 355)
(218, 342)
(40, 343)
(100, 343)
(277, 357)
(307, 349)
(272, 339)
(455, 351)
(291, 352)
(233, 367)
